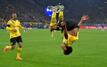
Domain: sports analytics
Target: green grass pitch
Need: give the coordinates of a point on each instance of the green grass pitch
(40, 50)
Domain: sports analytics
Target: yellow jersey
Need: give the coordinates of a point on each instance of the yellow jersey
(14, 24)
(53, 18)
(61, 15)
(71, 39)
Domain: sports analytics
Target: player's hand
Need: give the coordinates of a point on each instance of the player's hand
(14, 30)
(85, 17)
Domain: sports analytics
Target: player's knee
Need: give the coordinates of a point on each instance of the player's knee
(68, 51)
(13, 45)
(20, 45)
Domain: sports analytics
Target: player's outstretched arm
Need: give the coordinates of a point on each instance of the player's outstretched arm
(83, 19)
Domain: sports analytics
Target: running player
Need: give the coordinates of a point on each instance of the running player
(14, 26)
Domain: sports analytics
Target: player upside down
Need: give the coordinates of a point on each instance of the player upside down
(71, 31)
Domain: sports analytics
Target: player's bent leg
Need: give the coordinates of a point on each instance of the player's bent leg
(8, 48)
(12, 46)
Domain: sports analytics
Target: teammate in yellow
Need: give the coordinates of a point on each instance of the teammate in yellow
(71, 31)
(14, 26)
(56, 20)
(53, 24)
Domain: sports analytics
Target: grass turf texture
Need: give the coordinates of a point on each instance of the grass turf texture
(40, 50)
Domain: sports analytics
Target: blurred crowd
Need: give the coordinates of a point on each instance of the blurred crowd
(33, 11)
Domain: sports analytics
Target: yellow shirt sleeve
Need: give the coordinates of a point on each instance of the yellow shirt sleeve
(8, 27)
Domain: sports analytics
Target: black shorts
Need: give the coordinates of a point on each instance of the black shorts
(15, 40)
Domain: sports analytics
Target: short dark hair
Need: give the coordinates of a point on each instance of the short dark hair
(68, 51)
(71, 25)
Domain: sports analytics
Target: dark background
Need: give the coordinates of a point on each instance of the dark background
(34, 10)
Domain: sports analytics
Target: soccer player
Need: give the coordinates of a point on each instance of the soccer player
(71, 31)
(14, 26)
(56, 20)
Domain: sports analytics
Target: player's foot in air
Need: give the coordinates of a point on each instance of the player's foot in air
(6, 49)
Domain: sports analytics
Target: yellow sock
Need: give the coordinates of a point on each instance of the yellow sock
(19, 50)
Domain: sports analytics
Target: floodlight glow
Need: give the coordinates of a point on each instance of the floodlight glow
(48, 12)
